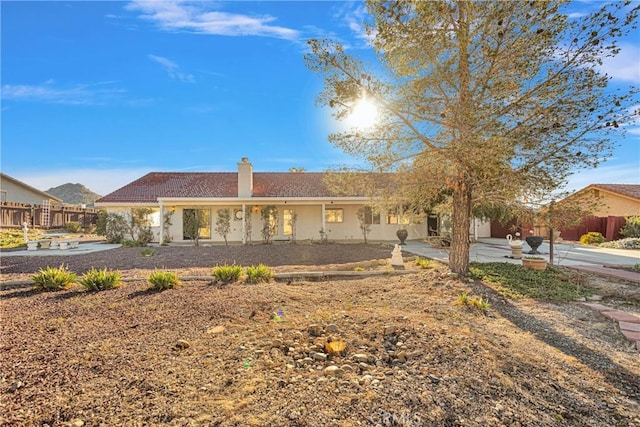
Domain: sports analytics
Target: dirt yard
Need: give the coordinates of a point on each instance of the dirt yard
(254, 355)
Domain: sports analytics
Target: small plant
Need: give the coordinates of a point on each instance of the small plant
(463, 298)
(425, 263)
(53, 279)
(161, 280)
(278, 316)
(258, 274)
(227, 273)
(148, 252)
(636, 268)
(72, 227)
(99, 280)
(477, 303)
(358, 268)
(592, 238)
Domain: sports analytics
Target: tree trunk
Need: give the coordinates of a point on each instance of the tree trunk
(459, 254)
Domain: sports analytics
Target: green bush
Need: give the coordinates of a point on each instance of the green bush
(145, 236)
(72, 227)
(227, 273)
(628, 243)
(425, 263)
(116, 227)
(101, 223)
(99, 280)
(592, 238)
(53, 279)
(632, 227)
(258, 274)
(161, 280)
(147, 252)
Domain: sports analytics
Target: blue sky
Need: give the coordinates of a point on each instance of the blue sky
(101, 93)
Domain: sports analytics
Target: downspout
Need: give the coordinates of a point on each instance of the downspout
(244, 224)
(161, 222)
(324, 226)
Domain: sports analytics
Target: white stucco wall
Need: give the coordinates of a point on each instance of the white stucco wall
(308, 225)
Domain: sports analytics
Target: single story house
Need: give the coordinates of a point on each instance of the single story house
(305, 209)
(611, 203)
(16, 191)
(612, 199)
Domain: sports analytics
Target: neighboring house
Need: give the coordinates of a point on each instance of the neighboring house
(302, 196)
(611, 203)
(613, 199)
(15, 191)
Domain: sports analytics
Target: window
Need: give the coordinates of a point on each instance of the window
(371, 216)
(393, 217)
(333, 215)
(153, 218)
(196, 219)
(289, 218)
(3, 196)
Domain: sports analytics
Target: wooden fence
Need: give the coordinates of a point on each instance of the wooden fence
(13, 215)
(609, 227)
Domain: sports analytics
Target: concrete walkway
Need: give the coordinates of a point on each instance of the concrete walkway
(83, 248)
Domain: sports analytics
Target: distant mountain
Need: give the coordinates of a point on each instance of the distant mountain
(74, 194)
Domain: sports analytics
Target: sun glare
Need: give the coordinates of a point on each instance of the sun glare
(364, 114)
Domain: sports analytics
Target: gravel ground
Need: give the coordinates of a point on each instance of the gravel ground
(239, 355)
(200, 260)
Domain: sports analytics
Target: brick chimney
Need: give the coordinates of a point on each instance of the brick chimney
(245, 178)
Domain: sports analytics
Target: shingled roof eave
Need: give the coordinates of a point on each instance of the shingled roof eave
(605, 187)
(234, 200)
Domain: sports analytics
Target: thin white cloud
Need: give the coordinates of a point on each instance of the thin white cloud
(196, 18)
(628, 173)
(78, 94)
(172, 69)
(353, 17)
(626, 65)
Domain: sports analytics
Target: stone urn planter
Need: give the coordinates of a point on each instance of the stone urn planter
(539, 264)
(402, 235)
(534, 242)
(516, 247)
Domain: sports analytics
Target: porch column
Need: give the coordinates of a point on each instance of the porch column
(244, 225)
(324, 226)
(161, 223)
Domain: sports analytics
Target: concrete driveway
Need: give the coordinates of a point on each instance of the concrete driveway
(497, 250)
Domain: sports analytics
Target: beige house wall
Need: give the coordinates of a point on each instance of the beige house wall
(14, 192)
(610, 204)
(615, 205)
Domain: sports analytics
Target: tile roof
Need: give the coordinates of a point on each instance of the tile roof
(629, 190)
(218, 185)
